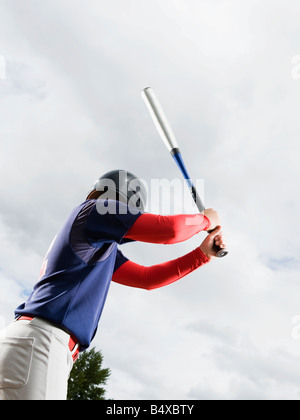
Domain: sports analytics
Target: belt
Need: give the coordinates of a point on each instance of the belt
(73, 342)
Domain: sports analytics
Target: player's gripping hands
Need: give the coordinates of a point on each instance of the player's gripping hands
(213, 217)
(215, 237)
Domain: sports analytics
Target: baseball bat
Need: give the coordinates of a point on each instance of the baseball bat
(167, 135)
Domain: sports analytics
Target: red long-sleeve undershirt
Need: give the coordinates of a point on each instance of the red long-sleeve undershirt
(167, 229)
(163, 230)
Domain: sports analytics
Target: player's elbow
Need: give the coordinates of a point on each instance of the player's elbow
(150, 287)
(153, 286)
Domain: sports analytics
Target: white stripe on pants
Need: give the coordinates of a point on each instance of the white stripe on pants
(35, 361)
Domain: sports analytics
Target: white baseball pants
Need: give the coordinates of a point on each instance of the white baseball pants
(35, 361)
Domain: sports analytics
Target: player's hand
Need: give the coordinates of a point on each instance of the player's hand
(213, 217)
(214, 238)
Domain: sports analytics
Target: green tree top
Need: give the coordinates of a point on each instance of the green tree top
(87, 377)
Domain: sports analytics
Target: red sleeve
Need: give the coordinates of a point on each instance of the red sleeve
(167, 229)
(134, 275)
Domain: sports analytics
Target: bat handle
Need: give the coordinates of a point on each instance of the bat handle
(220, 252)
(175, 152)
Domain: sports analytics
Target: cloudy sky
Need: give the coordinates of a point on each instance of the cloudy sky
(228, 74)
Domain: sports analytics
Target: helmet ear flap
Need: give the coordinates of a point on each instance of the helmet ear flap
(93, 195)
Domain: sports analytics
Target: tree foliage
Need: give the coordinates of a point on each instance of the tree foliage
(87, 377)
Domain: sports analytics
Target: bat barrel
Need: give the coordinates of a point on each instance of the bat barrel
(159, 118)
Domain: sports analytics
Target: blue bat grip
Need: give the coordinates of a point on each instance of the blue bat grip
(178, 159)
(220, 253)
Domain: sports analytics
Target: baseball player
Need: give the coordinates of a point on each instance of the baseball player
(61, 316)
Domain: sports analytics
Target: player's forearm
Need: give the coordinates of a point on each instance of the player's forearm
(149, 278)
(167, 229)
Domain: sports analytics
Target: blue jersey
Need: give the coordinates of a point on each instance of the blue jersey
(78, 268)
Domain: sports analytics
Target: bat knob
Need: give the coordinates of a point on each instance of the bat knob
(222, 253)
